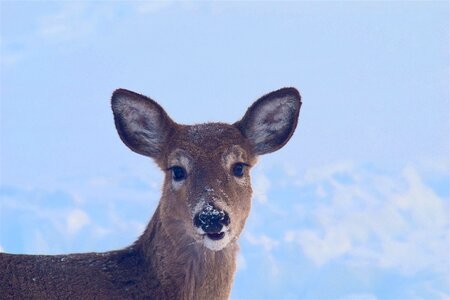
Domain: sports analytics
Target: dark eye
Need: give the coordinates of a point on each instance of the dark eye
(178, 173)
(238, 169)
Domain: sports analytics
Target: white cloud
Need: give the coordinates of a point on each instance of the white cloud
(10, 53)
(2, 249)
(435, 165)
(72, 23)
(241, 262)
(321, 249)
(61, 214)
(77, 198)
(149, 7)
(38, 244)
(131, 227)
(100, 232)
(9, 58)
(98, 182)
(261, 185)
(267, 245)
(359, 297)
(153, 7)
(394, 222)
(290, 169)
(68, 22)
(76, 220)
(76, 21)
(316, 175)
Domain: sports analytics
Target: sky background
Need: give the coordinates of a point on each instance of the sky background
(355, 206)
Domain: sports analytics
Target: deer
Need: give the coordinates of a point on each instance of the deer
(189, 248)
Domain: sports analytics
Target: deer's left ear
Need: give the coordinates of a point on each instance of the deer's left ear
(270, 122)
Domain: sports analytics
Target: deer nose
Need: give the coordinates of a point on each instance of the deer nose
(211, 219)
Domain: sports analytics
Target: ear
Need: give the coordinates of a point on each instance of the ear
(270, 122)
(141, 123)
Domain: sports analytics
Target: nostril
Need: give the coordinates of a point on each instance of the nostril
(197, 221)
(225, 220)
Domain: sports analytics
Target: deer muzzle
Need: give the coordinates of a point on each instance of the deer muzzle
(212, 221)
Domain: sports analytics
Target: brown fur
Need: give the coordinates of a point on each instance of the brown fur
(170, 260)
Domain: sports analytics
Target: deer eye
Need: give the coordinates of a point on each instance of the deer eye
(238, 169)
(178, 173)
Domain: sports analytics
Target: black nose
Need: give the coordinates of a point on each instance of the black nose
(211, 219)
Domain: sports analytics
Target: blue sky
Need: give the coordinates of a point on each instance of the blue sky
(356, 206)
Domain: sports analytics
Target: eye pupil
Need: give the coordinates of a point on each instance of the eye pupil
(238, 170)
(178, 173)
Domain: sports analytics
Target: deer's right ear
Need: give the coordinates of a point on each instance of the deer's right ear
(141, 123)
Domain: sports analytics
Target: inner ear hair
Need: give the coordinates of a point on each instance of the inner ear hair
(270, 122)
(141, 122)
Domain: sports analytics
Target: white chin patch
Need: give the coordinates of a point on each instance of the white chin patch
(216, 245)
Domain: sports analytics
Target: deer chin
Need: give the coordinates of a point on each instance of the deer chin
(216, 241)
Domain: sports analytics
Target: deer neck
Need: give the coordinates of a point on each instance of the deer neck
(186, 269)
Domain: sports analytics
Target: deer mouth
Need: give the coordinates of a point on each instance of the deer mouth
(216, 236)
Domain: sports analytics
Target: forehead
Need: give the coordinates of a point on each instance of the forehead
(208, 138)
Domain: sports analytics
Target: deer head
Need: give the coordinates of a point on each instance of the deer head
(207, 191)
